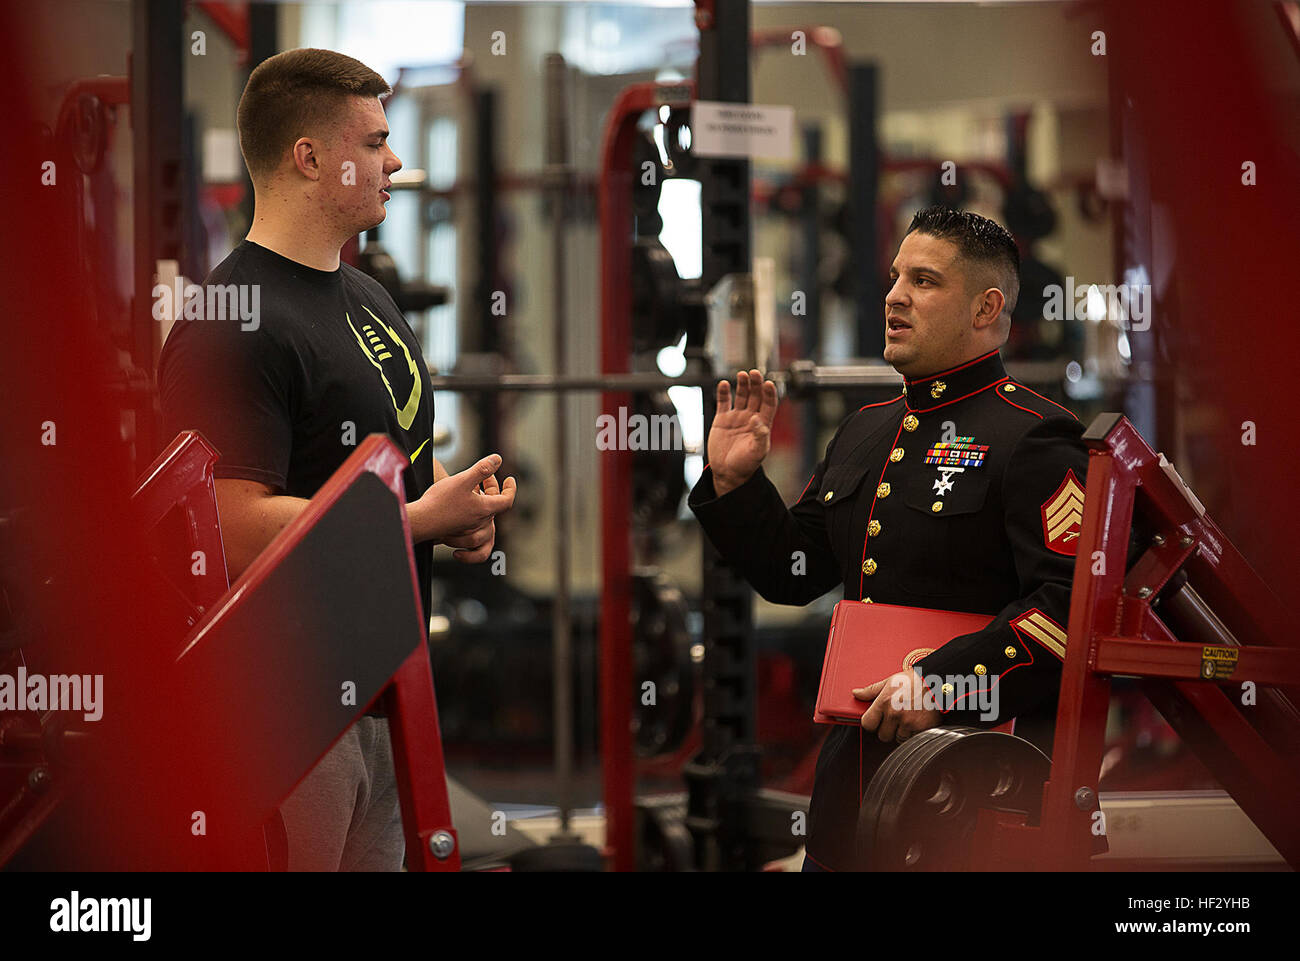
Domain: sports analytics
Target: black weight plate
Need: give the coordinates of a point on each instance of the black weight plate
(920, 809)
(662, 651)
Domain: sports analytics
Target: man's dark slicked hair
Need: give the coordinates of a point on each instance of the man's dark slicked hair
(292, 92)
(979, 241)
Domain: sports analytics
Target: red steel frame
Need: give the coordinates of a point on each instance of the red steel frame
(183, 476)
(825, 39)
(1113, 630)
(412, 705)
(618, 765)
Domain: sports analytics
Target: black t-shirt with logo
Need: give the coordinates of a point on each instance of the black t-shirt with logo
(286, 397)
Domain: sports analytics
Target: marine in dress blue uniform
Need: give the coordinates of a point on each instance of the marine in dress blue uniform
(963, 493)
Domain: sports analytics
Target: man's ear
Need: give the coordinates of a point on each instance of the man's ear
(306, 159)
(988, 308)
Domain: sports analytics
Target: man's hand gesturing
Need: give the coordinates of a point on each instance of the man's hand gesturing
(474, 546)
(741, 434)
(460, 510)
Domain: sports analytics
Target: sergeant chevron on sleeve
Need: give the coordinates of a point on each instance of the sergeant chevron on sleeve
(964, 493)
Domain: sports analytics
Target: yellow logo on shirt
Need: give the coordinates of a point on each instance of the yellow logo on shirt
(376, 351)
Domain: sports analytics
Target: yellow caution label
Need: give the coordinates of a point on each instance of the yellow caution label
(1218, 663)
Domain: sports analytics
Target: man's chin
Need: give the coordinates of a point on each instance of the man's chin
(898, 357)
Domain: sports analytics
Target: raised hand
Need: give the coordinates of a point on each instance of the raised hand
(741, 434)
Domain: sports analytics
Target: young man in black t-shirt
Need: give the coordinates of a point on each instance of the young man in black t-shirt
(308, 357)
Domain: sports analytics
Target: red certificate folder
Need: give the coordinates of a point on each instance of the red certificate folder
(869, 642)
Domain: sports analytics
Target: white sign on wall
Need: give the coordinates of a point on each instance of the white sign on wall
(741, 130)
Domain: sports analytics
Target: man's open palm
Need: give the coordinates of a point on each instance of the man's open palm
(741, 434)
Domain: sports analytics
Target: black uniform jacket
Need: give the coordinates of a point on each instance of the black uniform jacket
(964, 493)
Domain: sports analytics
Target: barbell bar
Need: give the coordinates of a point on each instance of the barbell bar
(801, 377)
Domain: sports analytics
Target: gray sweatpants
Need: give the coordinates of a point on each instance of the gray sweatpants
(345, 815)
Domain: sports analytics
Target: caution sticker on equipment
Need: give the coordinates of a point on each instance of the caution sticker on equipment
(1218, 662)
